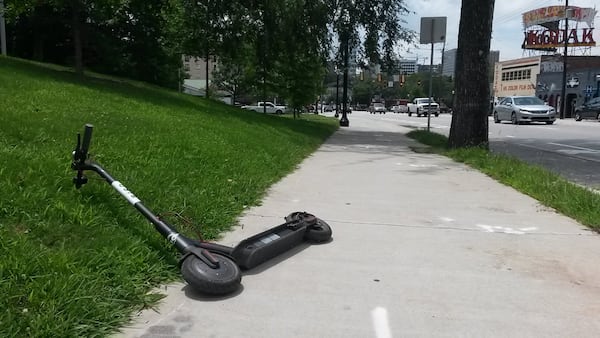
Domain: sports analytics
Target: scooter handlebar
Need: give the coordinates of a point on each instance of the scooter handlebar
(87, 138)
(80, 155)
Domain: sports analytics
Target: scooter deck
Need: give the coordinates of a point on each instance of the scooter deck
(261, 247)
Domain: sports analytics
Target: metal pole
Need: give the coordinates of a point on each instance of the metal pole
(337, 92)
(2, 28)
(344, 122)
(430, 80)
(264, 57)
(563, 91)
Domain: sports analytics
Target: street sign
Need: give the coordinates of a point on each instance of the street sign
(433, 29)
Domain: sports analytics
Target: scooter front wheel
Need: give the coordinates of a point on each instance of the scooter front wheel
(223, 279)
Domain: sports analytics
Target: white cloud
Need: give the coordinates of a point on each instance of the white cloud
(507, 31)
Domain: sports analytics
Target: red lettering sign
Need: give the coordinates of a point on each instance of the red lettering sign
(540, 39)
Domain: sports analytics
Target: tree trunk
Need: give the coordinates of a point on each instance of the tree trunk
(38, 47)
(207, 90)
(77, 43)
(470, 116)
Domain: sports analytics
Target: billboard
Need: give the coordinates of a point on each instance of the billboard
(541, 27)
(552, 14)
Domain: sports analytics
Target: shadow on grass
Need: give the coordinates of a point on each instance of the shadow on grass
(147, 93)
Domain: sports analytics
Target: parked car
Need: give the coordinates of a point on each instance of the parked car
(588, 110)
(360, 106)
(377, 108)
(519, 109)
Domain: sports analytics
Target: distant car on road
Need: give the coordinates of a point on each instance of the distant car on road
(519, 109)
(377, 108)
(421, 106)
(401, 107)
(588, 110)
(270, 108)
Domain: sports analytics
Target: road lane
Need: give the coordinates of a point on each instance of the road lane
(569, 148)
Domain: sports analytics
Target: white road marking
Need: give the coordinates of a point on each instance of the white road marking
(574, 147)
(424, 165)
(574, 151)
(381, 323)
(506, 230)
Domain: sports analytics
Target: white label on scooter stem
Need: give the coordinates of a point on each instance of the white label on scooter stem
(129, 196)
(173, 238)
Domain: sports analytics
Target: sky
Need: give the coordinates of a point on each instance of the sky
(507, 30)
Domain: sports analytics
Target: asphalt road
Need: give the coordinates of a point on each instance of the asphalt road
(569, 148)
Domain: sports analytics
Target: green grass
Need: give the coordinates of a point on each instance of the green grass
(77, 263)
(549, 189)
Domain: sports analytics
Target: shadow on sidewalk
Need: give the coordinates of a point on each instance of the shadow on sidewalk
(404, 153)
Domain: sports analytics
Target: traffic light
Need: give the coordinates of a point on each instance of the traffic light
(419, 83)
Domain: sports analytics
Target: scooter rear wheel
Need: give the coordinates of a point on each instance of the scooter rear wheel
(224, 279)
(319, 232)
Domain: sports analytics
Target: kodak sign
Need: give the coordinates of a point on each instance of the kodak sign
(542, 39)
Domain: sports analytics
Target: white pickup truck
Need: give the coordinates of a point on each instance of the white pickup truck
(420, 105)
(270, 106)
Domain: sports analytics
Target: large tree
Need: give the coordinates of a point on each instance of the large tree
(469, 120)
(277, 46)
(269, 48)
(382, 24)
(303, 45)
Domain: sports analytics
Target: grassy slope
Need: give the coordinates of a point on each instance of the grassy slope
(79, 261)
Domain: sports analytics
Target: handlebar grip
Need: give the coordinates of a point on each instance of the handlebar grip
(87, 138)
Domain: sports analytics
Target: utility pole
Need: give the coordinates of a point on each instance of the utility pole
(337, 92)
(344, 122)
(563, 91)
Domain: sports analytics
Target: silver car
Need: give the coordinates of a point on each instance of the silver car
(519, 109)
(377, 108)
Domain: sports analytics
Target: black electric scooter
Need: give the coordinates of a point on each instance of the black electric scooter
(211, 268)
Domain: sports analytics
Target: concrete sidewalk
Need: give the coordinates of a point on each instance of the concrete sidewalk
(422, 247)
